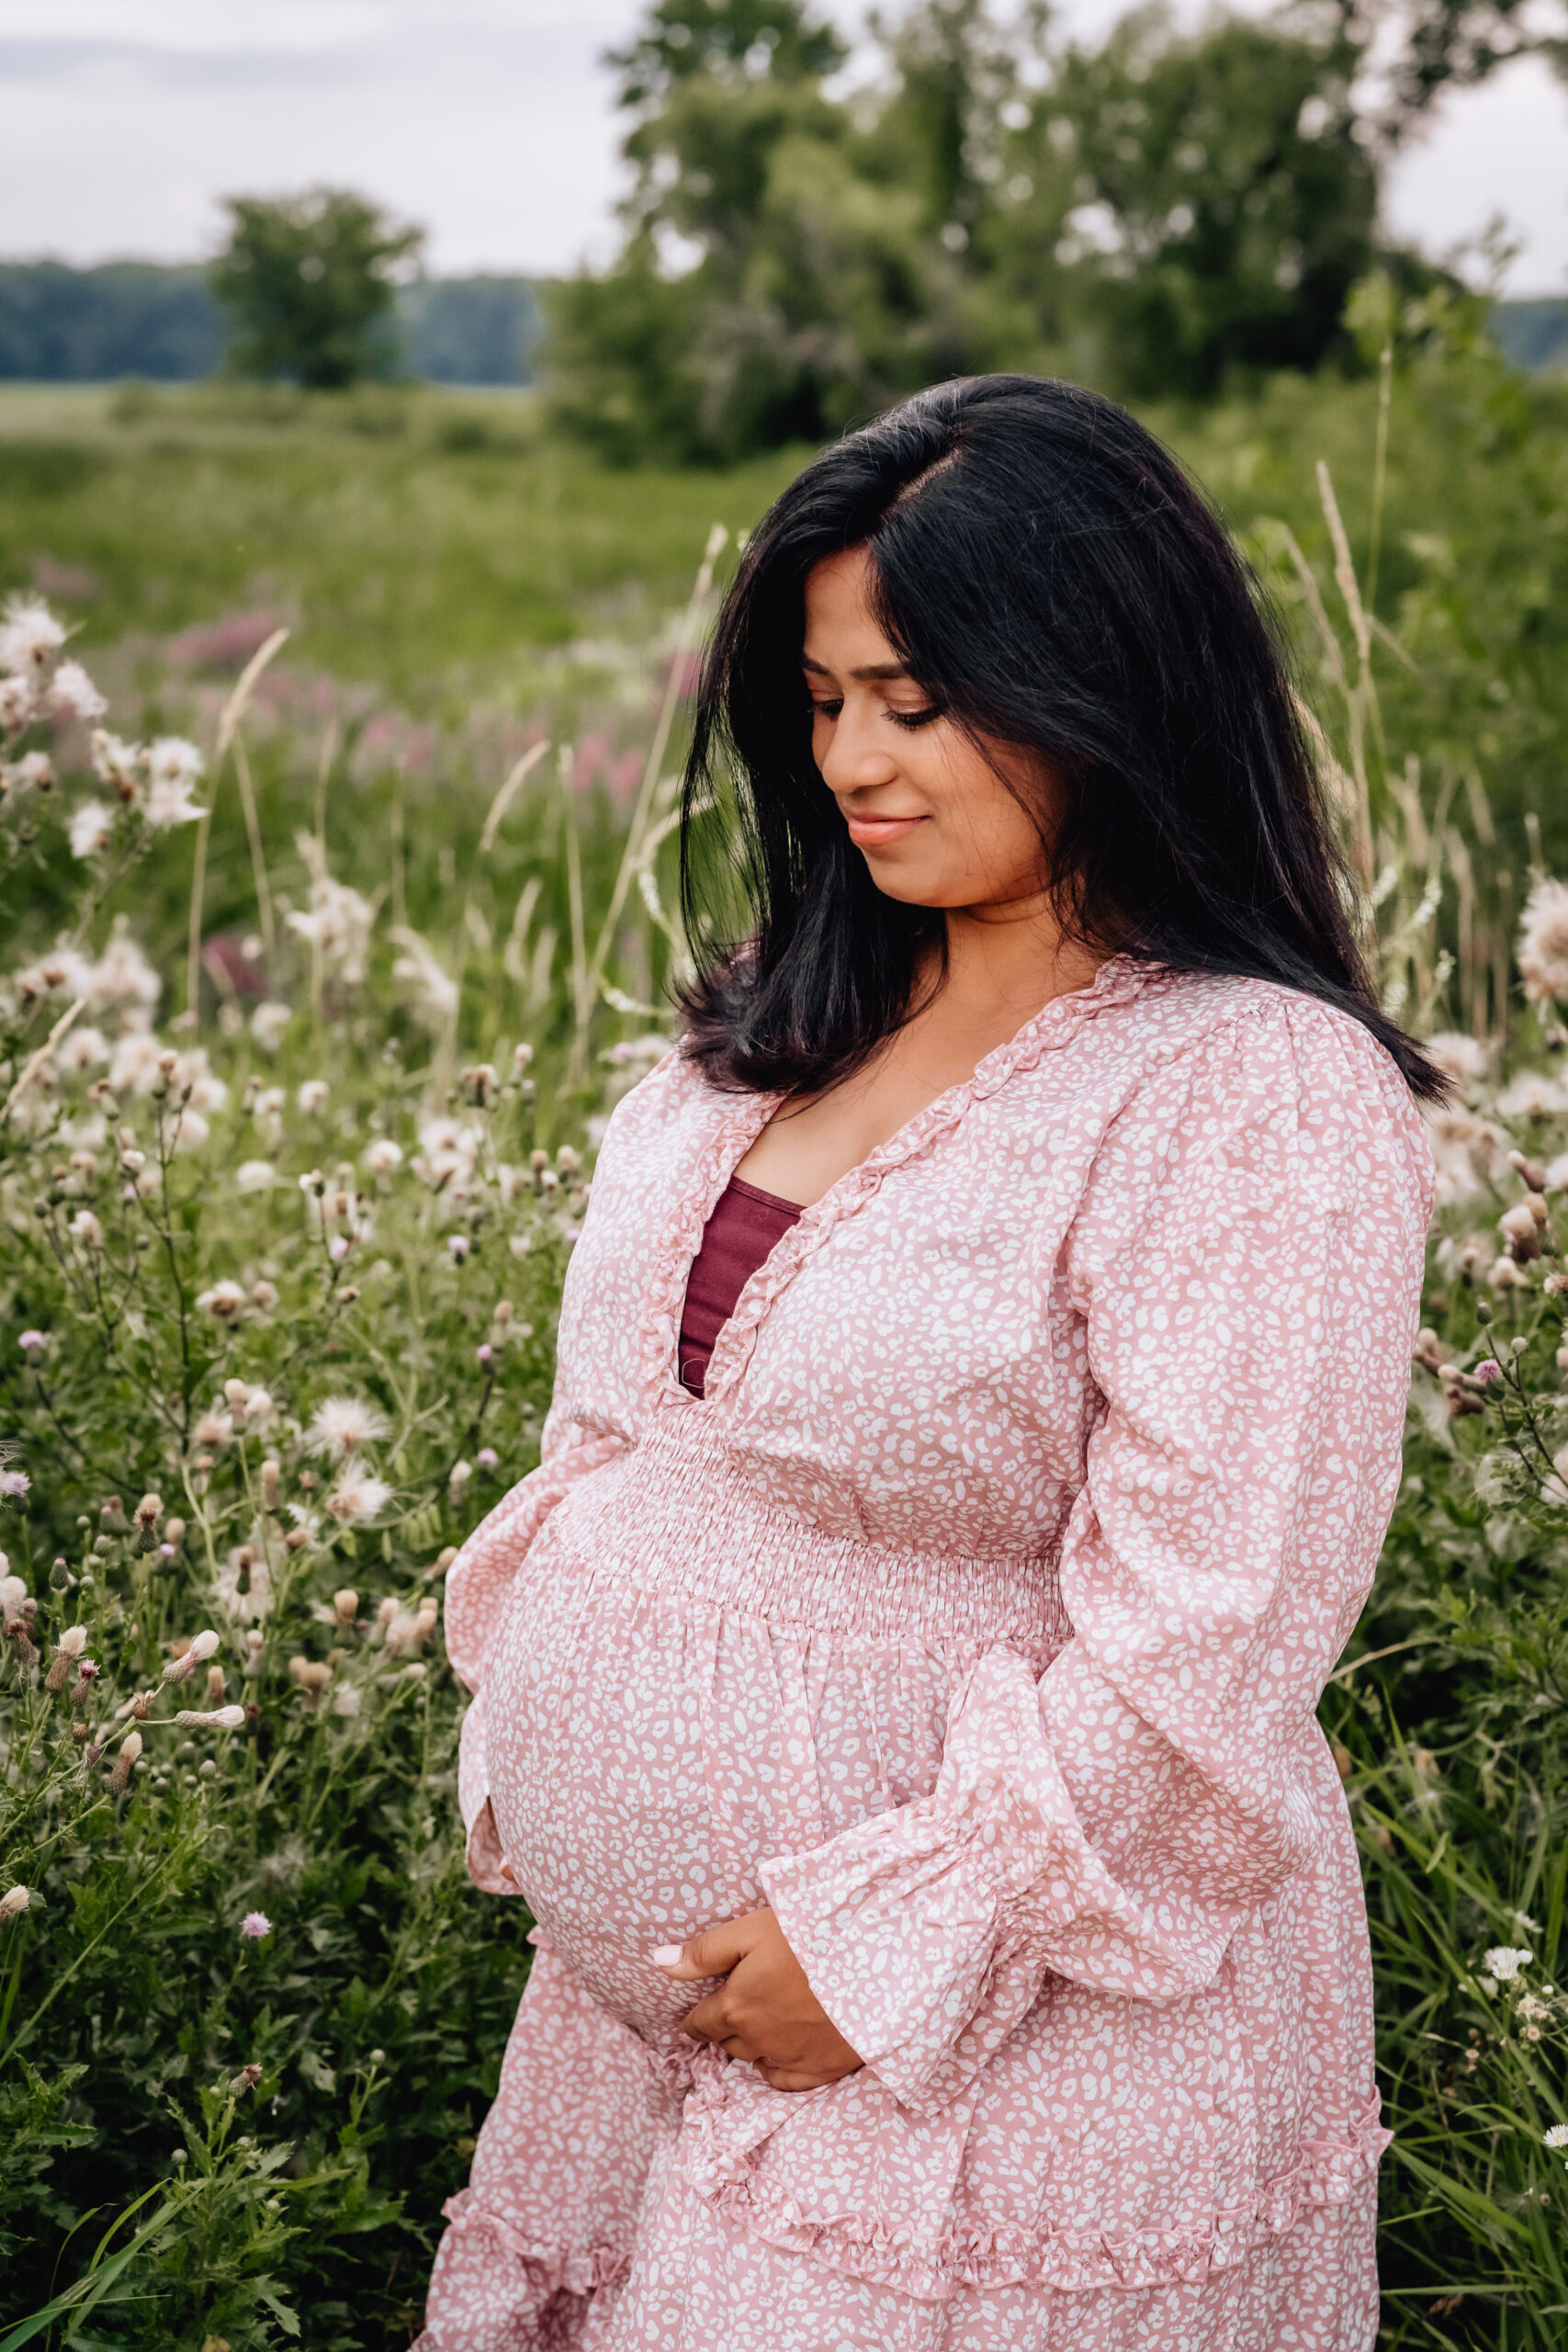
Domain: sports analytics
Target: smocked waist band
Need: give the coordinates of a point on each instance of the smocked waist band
(675, 1514)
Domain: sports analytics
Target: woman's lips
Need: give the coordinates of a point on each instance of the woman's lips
(876, 832)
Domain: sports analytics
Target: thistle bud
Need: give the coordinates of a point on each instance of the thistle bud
(211, 1718)
(197, 1653)
(520, 1057)
(538, 1161)
(14, 1902)
(345, 1605)
(296, 1539)
(385, 1612)
(72, 1642)
(149, 1510)
(255, 1643)
(174, 1528)
(217, 1686)
(446, 1559)
(112, 1517)
(125, 1762)
(271, 1473)
(503, 1312)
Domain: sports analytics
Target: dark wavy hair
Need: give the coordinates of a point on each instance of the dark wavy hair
(1054, 581)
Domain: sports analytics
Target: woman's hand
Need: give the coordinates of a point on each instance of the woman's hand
(765, 2010)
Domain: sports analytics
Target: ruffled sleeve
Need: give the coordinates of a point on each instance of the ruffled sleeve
(1246, 1263)
(478, 1584)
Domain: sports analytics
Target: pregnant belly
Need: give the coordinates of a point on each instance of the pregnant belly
(646, 1750)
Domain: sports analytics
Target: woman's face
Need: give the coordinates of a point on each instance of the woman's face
(933, 820)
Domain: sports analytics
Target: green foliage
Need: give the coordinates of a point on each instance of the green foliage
(309, 282)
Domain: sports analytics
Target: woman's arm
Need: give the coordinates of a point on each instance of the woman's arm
(1248, 1264)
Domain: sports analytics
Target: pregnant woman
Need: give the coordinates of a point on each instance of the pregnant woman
(982, 1373)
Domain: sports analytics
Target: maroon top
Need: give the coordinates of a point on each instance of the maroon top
(740, 1233)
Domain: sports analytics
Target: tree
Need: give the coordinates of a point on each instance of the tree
(309, 282)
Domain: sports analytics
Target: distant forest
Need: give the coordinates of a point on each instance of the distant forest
(61, 325)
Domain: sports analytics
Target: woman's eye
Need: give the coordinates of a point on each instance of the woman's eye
(825, 709)
(913, 718)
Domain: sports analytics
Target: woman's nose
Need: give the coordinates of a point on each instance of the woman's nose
(858, 755)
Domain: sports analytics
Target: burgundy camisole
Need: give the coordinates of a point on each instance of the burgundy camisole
(740, 1233)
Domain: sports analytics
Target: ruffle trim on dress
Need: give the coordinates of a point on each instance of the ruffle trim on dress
(1072, 2261)
(553, 2270)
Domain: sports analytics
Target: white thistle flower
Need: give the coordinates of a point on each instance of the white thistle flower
(117, 763)
(243, 1587)
(1544, 942)
(268, 1023)
(1504, 1962)
(1532, 1094)
(358, 1498)
(73, 695)
(31, 639)
(343, 1425)
(255, 1176)
(133, 1066)
(225, 1300)
(85, 1227)
(382, 1156)
(433, 992)
(91, 825)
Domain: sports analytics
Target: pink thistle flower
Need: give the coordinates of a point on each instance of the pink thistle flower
(15, 1485)
(1488, 1371)
(487, 1457)
(254, 1925)
(484, 1352)
(30, 1339)
(337, 1249)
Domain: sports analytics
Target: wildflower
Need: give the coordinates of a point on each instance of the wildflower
(343, 1425)
(243, 1585)
(83, 1049)
(345, 1702)
(434, 991)
(85, 1228)
(338, 1248)
(1504, 1274)
(345, 1605)
(14, 1902)
(31, 1341)
(484, 1352)
(569, 1162)
(255, 1176)
(459, 1245)
(268, 1023)
(382, 1156)
(15, 1485)
(255, 1645)
(225, 1300)
(520, 1057)
(197, 1652)
(338, 923)
(1556, 2138)
(1544, 942)
(459, 1476)
(312, 1096)
(1520, 1231)
(87, 1673)
(72, 1642)
(174, 770)
(312, 1675)
(31, 639)
(480, 1083)
(189, 1130)
(358, 1498)
(254, 1925)
(73, 695)
(16, 703)
(117, 763)
(33, 772)
(211, 1718)
(1532, 1094)
(1487, 1371)
(246, 2079)
(1504, 1962)
(126, 1761)
(487, 1457)
(264, 1295)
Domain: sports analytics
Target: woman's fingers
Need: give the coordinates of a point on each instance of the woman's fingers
(713, 1953)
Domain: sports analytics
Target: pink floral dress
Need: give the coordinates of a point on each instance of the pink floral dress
(976, 1619)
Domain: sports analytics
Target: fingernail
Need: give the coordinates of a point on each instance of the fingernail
(667, 1956)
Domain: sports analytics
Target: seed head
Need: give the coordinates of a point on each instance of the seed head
(14, 1902)
(125, 1762)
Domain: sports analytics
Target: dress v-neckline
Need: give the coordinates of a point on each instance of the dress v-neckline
(737, 1122)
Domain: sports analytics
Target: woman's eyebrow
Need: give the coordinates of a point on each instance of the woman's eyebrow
(872, 669)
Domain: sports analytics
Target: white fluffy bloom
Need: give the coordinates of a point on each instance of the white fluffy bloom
(189, 1130)
(255, 1175)
(133, 1066)
(1556, 2138)
(338, 923)
(312, 1095)
(268, 1023)
(225, 1299)
(17, 704)
(213, 1427)
(91, 825)
(1467, 1060)
(447, 1151)
(343, 1425)
(358, 1498)
(82, 1049)
(244, 1589)
(34, 772)
(1544, 942)
(1532, 1094)
(122, 976)
(71, 693)
(1504, 1962)
(85, 1227)
(194, 1081)
(433, 992)
(117, 763)
(63, 971)
(169, 802)
(380, 1157)
(31, 639)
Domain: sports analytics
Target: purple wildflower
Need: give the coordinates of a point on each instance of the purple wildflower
(254, 1925)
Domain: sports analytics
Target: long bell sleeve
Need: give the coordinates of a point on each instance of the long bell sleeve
(477, 1585)
(1245, 1273)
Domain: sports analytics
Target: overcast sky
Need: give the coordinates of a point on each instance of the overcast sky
(489, 121)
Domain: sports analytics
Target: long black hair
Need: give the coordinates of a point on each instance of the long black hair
(1054, 581)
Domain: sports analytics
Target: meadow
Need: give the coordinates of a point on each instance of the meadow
(298, 1107)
